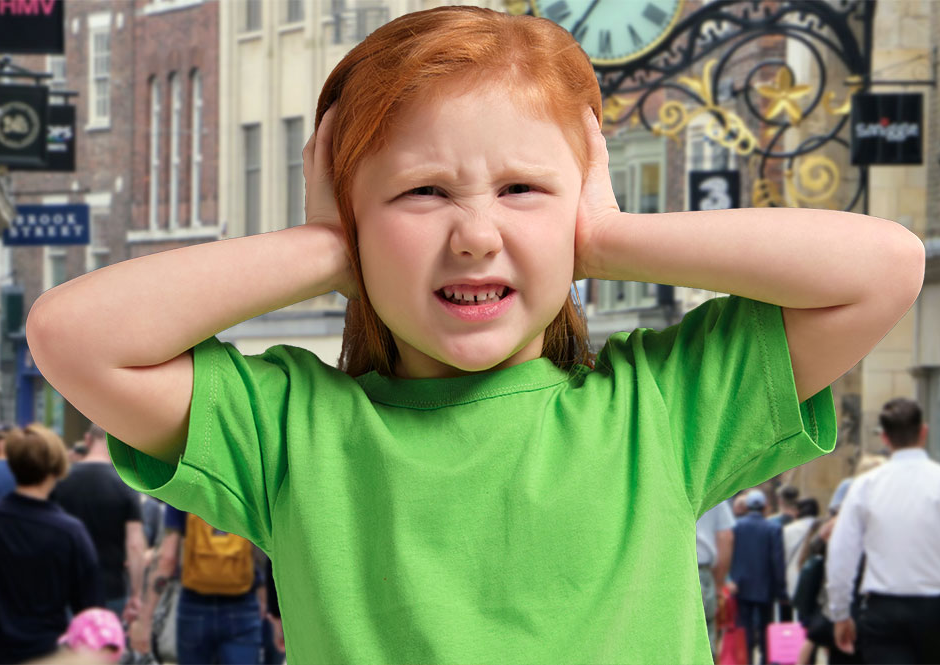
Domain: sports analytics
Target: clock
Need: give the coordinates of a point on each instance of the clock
(613, 32)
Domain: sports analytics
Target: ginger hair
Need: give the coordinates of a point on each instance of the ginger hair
(420, 56)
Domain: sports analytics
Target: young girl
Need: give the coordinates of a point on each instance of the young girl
(469, 489)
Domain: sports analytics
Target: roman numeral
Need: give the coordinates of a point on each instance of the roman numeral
(603, 43)
(558, 11)
(635, 36)
(580, 33)
(654, 14)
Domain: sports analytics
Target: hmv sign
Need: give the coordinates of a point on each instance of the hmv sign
(887, 129)
(32, 26)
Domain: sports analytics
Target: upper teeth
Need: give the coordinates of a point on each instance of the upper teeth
(492, 294)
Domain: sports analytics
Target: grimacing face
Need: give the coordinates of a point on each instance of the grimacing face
(466, 223)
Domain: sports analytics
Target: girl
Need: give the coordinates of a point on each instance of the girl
(469, 488)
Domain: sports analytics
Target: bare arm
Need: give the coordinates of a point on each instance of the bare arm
(141, 629)
(135, 546)
(724, 539)
(115, 342)
(843, 279)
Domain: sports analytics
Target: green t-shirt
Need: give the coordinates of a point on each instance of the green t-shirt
(527, 515)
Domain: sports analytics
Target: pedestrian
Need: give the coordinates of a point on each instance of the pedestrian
(48, 564)
(465, 487)
(757, 572)
(218, 616)
(787, 497)
(110, 510)
(889, 515)
(795, 536)
(7, 481)
(714, 543)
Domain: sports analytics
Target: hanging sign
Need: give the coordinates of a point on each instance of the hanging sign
(60, 140)
(49, 225)
(23, 115)
(714, 190)
(32, 26)
(887, 129)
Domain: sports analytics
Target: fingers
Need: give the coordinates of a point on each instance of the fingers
(319, 203)
(597, 144)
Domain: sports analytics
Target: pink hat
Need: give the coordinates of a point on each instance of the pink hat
(95, 629)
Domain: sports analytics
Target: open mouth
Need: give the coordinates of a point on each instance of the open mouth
(470, 296)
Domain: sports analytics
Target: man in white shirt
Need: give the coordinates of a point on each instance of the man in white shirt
(891, 516)
(714, 543)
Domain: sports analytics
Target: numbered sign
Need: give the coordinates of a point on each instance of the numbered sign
(714, 190)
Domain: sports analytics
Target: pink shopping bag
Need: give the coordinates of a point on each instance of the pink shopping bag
(784, 641)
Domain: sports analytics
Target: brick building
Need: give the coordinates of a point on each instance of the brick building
(132, 150)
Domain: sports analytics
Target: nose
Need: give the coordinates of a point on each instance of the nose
(475, 234)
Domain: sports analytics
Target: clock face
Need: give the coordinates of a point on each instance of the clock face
(612, 32)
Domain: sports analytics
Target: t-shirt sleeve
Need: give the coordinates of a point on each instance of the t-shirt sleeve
(234, 460)
(722, 382)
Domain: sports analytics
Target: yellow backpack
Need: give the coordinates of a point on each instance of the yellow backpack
(216, 562)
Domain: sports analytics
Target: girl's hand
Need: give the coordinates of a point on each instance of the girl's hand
(319, 201)
(598, 205)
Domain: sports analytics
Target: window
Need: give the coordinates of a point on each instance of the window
(55, 64)
(154, 152)
(195, 155)
(636, 180)
(294, 11)
(252, 15)
(294, 143)
(353, 24)
(99, 255)
(176, 112)
(100, 68)
(252, 179)
(57, 266)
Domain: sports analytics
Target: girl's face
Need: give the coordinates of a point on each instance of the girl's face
(466, 224)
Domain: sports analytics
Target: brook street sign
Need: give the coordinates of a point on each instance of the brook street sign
(48, 225)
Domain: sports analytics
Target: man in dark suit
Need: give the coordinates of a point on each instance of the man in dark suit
(758, 573)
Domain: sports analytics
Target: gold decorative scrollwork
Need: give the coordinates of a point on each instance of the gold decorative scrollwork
(814, 183)
(855, 85)
(724, 127)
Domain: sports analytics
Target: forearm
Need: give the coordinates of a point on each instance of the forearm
(798, 258)
(135, 568)
(148, 310)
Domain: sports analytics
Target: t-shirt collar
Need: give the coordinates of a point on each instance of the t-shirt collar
(907, 454)
(437, 393)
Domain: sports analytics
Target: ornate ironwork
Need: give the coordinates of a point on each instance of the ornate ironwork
(714, 38)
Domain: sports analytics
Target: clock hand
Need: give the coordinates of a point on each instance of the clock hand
(577, 25)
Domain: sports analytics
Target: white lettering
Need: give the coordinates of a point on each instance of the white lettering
(894, 132)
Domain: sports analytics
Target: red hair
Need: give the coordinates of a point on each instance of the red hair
(412, 57)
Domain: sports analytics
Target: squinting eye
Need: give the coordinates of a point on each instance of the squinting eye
(427, 190)
(518, 189)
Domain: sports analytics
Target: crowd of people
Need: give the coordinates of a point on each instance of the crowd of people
(88, 566)
(863, 579)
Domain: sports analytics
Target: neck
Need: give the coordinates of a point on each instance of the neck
(40, 491)
(98, 452)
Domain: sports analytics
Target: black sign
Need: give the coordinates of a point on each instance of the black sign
(49, 225)
(714, 190)
(887, 129)
(23, 114)
(32, 26)
(60, 141)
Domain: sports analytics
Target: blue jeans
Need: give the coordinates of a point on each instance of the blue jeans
(217, 629)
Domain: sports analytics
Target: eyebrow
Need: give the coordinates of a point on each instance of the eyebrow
(523, 171)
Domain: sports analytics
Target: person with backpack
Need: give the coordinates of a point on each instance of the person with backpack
(218, 618)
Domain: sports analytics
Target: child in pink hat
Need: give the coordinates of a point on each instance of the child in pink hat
(97, 630)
